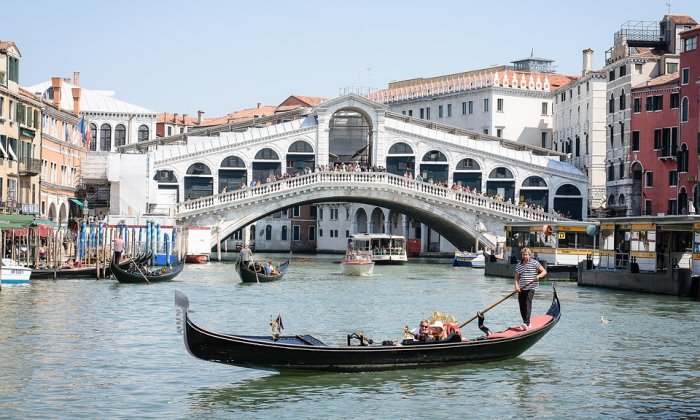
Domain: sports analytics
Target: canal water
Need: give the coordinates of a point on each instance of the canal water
(99, 349)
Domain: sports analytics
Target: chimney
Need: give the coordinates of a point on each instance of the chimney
(76, 79)
(56, 84)
(184, 120)
(76, 100)
(259, 104)
(175, 118)
(199, 117)
(587, 61)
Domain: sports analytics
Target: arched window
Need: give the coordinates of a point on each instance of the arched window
(611, 200)
(683, 159)
(120, 135)
(93, 137)
(434, 156)
(684, 109)
(105, 137)
(300, 147)
(232, 162)
(266, 154)
(534, 181)
(284, 233)
(165, 176)
(268, 232)
(568, 189)
(400, 149)
(621, 200)
(611, 104)
(623, 100)
(468, 164)
(501, 173)
(143, 133)
(198, 169)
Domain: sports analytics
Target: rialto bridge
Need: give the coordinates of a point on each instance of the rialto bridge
(234, 178)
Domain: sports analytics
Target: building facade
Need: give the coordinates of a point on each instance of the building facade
(20, 137)
(689, 128)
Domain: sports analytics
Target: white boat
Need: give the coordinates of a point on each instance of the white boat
(382, 248)
(479, 261)
(13, 273)
(463, 259)
(357, 264)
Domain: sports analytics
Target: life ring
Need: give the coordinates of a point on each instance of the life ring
(547, 230)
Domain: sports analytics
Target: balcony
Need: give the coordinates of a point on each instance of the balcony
(669, 152)
(29, 167)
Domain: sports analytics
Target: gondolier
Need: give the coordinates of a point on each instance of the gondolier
(118, 248)
(245, 256)
(528, 273)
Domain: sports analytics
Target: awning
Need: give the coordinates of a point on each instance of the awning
(78, 202)
(15, 221)
(45, 222)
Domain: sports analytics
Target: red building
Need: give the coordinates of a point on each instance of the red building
(654, 144)
(689, 75)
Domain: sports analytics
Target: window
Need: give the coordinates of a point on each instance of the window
(143, 133)
(685, 76)
(320, 213)
(486, 105)
(611, 75)
(622, 134)
(499, 132)
(105, 137)
(486, 131)
(563, 96)
(672, 206)
(635, 141)
(544, 139)
(422, 114)
(611, 104)
(671, 67)
(545, 108)
(647, 207)
(320, 233)
(649, 104)
(622, 170)
(611, 174)
(577, 149)
(684, 109)
(410, 112)
(672, 178)
(637, 105)
(499, 104)
(623, 70)
(13, 69)
(464, 108)
(675, 100)
(612, 135)
(296, 211)
(623, 100)
(449, 110)
(296, 233)
(471, 107)
(170, 131)
(440, 111)
(312, 233)
(654, 103)
(657, 139)
(427, 113)
(120, 135)
(689, 44)
(284, 233)
(648, 179)
(638, 68)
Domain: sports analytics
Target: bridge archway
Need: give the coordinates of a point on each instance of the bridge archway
(535, 191)
(378, 220)
(430, 169)
(467, 173)
(266, 165)
(198, 181)
(361, 221)
(568, 201)
(232, 174)
(350, 137)
(501, 182)
(401, 160)
(300, 156)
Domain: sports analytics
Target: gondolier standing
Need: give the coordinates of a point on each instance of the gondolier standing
(118, 248)
(245, 256)
(526, 271)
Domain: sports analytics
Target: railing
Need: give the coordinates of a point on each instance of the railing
(343, 179)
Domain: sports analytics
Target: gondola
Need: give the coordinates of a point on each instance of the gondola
(164, 273)
(250, 275)
(305, 352)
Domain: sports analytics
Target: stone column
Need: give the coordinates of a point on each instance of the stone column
(424, 238)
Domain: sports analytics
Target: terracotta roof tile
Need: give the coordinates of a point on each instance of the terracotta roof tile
(682, 19)
(669, 78)
(242, 115)
(298, 100)
(167, 117)
(4, 45)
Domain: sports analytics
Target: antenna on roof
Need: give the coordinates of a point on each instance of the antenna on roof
(669, 7)
(532, 52)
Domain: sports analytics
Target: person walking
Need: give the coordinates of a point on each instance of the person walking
(118, 248)
(526, 271)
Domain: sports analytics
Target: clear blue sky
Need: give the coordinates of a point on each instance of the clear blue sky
(222, 56)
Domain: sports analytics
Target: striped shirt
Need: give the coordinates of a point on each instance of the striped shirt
(527, 273)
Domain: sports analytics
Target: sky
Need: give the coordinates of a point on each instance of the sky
(222, 56)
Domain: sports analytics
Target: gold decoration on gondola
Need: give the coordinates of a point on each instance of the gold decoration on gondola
(439, 316)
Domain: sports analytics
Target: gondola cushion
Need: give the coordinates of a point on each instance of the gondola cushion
(535, 322)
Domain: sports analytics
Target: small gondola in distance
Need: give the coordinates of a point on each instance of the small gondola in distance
(124, 275)
(305, 352)
(248, 275)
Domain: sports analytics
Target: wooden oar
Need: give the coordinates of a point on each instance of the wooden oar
(495, 304)
(139, 270)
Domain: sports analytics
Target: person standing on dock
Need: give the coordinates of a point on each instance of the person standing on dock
(118, 248)
(528, 273)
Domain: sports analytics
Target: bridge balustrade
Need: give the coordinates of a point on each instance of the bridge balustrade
(408, 184)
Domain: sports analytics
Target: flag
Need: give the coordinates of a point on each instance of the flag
(67, 133)
(81, 128)
(88, 133)
(279, 324)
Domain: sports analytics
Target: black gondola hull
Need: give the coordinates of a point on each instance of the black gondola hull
(73, 273)
(301, 353)
(126, 276)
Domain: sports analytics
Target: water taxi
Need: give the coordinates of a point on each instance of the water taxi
(13, 273)
(463, 259)
(382, 248)
(357, 264)
(558, 245)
